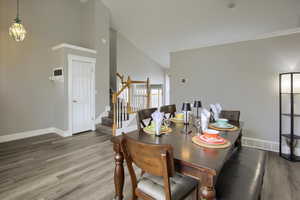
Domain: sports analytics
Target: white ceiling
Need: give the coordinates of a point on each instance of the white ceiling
(159, 27)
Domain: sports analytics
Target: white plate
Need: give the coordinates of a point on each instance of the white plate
(222, 126)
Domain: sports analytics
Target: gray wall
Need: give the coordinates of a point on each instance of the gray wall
(102, 65)
(2, 57)
(241, 76)
(113, 59)
(134, 63)
(28, 98)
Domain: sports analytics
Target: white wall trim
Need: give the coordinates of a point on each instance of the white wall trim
(26, 134)
(71, 58)
(260, 144)
(258, 37)
(60, 132)
(267, 145)
(70, 46)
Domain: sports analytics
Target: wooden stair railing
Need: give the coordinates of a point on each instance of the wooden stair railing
(129, 100)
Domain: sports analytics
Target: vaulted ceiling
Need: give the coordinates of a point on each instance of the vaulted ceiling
(159, 27)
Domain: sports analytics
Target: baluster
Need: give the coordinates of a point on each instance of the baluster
(121, 112)
(138, 100)
(124, 110)
(143, 99)
(118, 112)
(127, 114)
(133, 103)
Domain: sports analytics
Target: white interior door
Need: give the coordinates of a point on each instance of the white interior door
(82, 94)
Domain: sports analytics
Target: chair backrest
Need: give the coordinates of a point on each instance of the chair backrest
(142, 115)
(169, 109)
(231, 115)
(151, 158)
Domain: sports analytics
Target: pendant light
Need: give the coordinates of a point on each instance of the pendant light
(17, 30)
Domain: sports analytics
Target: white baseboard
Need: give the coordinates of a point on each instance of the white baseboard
(26, 134)
(267, 145)
(60, 132)
(260, 144)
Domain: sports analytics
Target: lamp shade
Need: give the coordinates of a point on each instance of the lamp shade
(17, 31)
(197, 104)
(186, 106)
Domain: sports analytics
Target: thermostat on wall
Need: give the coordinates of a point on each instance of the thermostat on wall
(57, 74)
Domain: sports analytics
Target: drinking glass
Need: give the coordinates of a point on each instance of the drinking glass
(198, 125)
(167, 122)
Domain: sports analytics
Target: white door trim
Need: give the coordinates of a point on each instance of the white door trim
(71, 58)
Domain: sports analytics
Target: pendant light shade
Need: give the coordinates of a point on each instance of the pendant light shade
(17, 30)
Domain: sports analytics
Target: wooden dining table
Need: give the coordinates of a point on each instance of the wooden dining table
(203, 164)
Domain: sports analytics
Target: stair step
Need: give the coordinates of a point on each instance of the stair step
(107, 121)
(110, 114)
(104, 129)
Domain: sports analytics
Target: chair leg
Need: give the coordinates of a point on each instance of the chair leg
(196, 194)
(134, 196)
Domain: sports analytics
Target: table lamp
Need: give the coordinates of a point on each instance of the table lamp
(197, 104)
(186, 107)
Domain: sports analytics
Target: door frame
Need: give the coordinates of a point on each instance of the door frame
(71, 58)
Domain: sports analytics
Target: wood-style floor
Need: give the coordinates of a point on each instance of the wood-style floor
(49, 167)
(281, 180)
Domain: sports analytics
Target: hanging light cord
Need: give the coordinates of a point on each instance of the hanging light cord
(18, 19)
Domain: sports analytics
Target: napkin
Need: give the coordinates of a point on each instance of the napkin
(214, 111)
(157, 119)
(205, 115)
(219, 108)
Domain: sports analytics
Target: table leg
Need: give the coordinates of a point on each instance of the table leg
(207, 193)
(207, 189)
(238, 142)
(119, 173)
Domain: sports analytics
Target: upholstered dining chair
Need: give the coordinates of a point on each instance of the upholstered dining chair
(231, 115)
(158, 180)
(143, 115)
(169, 109)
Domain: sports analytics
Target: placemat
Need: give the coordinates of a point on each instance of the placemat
(169, 130)
(235, 128)
(213, 146)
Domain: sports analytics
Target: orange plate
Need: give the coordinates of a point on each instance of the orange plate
(203, 139)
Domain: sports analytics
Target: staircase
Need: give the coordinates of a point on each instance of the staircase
(124, 104)
(106, 124)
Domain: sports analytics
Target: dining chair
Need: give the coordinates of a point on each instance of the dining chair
(158, 181)
(169, 109)
(143, 115)
(231, 115)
